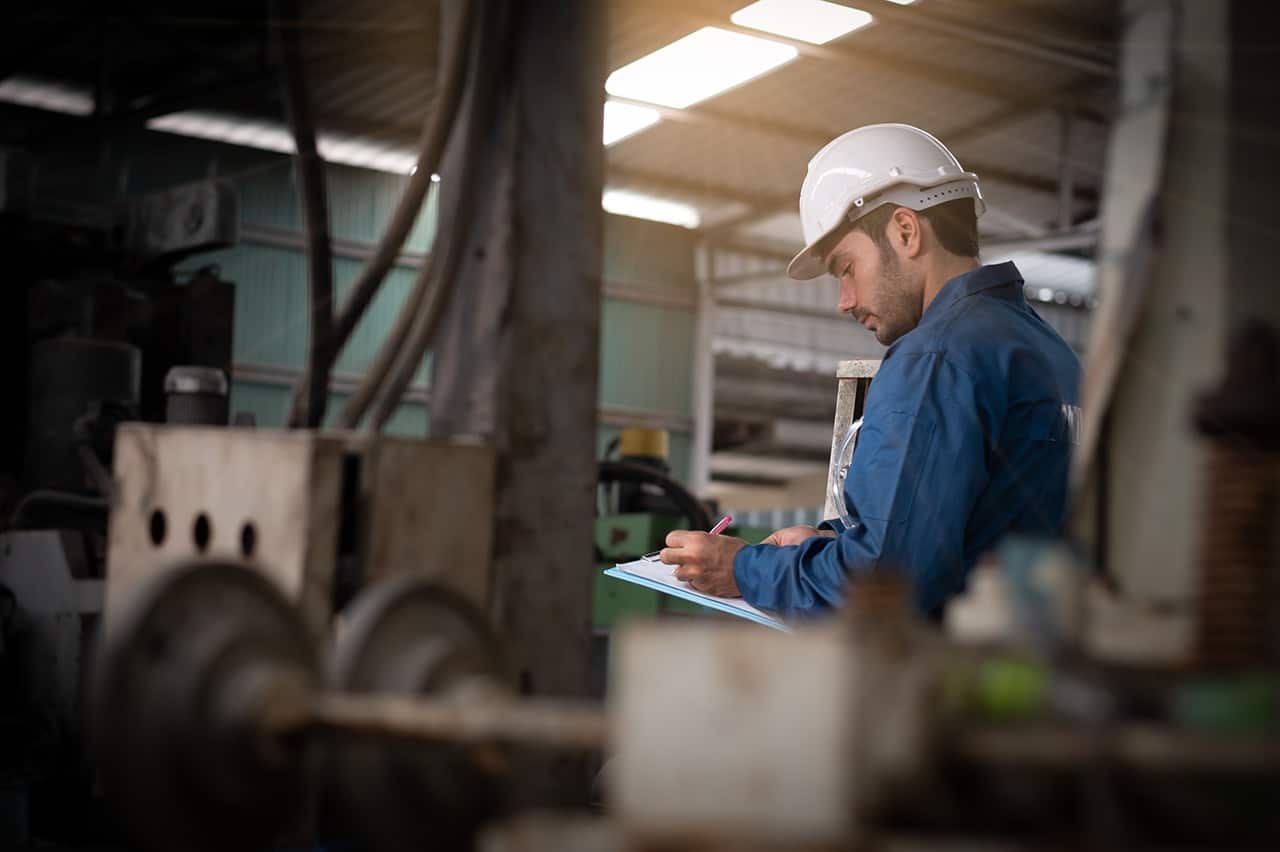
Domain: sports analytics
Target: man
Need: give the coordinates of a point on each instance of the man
(967, 427)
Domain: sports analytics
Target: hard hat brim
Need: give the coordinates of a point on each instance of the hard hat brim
(807, 265)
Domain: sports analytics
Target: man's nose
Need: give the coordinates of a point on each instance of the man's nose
(848, 300)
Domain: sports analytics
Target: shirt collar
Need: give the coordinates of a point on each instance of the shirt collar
(971, 282)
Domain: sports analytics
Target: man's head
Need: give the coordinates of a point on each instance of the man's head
(890, 206)
(882, 261)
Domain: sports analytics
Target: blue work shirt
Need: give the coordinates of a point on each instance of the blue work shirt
(966, 436)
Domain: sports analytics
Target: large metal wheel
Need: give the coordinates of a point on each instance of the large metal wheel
(176, 701)
(408, 637)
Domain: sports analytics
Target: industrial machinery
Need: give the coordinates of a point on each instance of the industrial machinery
(216, 725)
(215, 721)
(332, 636)
(94, 316)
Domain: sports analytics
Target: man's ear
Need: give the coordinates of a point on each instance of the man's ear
(906, 232)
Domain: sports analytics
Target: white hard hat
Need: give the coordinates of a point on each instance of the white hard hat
(867, 168)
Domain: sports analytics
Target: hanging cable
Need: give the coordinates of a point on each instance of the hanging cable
(376, 376)
(435, 133)
(423, 294)
(312, 395)
(358, 403)
(472, 178)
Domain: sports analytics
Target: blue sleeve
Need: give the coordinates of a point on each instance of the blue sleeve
(916, 474)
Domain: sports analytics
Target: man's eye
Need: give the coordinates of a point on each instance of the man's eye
(845, 271)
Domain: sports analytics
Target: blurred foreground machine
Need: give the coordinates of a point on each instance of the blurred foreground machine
(217, 724)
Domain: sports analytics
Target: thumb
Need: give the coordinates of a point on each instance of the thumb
(772, 538)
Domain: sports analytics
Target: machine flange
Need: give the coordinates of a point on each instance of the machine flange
(409, 637)
(199, 656)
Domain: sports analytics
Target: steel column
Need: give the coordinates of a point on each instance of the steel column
(517, 358)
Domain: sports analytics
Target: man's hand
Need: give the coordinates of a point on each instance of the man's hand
(705, 561)
(796, 535)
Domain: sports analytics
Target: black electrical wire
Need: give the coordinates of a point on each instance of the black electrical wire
(435, 133)
(312, 397)
(690, 506)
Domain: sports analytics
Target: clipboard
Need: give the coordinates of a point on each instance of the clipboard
(660, 577)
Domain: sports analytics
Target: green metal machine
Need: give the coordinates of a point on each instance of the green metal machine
(623, 537)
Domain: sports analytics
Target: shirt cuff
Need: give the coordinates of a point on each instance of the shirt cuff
(834, 524)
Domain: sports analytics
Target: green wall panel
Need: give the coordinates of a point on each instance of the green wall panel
(272, 325)
(646, 357)
(269, 405)
(360, 203)
(641, 252)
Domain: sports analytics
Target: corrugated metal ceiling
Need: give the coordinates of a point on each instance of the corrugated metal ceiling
(750, 145)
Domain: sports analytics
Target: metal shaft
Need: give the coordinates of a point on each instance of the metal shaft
(570, 725)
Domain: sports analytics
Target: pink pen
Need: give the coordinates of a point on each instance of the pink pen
(721, 526)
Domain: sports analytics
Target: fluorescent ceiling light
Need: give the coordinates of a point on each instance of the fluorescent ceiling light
(623, 120)
(698, 66)
(274, 136)
(626, 203)
(814, 21)
(53, 97)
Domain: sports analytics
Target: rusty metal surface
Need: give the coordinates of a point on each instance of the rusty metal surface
(1240, 417)
(275, 500)
(1236, 603)
(192, 492)
(428, 506)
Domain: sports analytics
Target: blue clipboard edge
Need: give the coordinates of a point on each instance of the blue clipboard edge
(695, 597)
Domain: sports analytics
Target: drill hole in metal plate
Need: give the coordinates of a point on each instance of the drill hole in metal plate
(158, 527)
(248, 539)
(202, 532)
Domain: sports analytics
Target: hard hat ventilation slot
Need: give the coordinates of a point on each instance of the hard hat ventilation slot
(955, 190)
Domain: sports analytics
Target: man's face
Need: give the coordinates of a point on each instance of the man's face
(875, 288)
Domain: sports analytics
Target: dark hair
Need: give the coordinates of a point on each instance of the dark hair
(955, 223)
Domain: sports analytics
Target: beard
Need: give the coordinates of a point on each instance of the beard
(900, 300)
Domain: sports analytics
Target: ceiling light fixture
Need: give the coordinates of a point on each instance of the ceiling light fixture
(52, 97)
(814, 21)
(274, 136)
(623, 120)
(698, 66)
(624, 202)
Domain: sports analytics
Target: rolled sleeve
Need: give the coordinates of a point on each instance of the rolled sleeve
(916, 474)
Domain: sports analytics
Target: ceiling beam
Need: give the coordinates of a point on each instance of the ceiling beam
(815, 139)
(1021, 42)
(982, 126)
(645, 179)
(863, 57)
